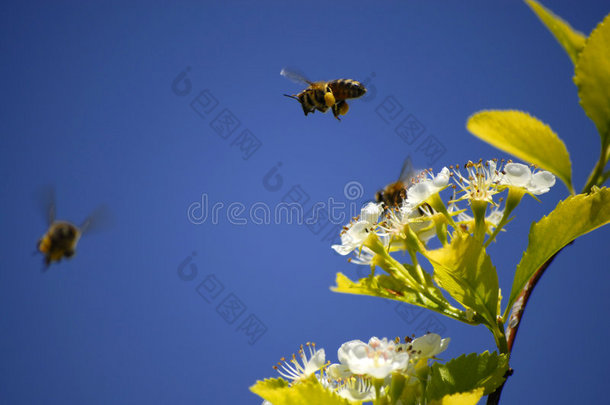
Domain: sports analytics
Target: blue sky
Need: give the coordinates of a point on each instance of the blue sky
(94, 104)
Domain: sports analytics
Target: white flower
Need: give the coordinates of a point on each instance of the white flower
(353, 238)
(481, 181)
(377, 359)
(357, 389)
(520, 175)
(357, 233)
(293, 369)
(398, 218)
(516, 174)
(427, 346)
(423, 189)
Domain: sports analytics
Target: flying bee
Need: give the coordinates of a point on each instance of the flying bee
(61, 238)
(324, 95)
(395, 193)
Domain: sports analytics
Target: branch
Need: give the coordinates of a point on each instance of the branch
(515, 320)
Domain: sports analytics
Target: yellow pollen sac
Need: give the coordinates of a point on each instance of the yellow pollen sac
(44, 244)
(344, 109)
(329, 99)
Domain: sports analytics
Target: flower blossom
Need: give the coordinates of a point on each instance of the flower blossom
(357, 389)
(481, 183)
(520, 175)
(293, 370)
(377, 359)
(426, 346)
(420, 191)
(356, 233)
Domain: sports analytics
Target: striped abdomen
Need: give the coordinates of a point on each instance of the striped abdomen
(313, 99)
(346, 88)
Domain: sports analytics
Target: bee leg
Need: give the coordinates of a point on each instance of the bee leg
(336, 112)
(329, 99)
(341, 108)
(69, 253)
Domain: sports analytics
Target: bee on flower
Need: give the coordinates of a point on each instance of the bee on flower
(423, 212)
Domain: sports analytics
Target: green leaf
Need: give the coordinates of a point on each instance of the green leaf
(465, 271)
(307, 392)
(592, 77)
(572, 41)
(574, 217)
(387, 287)
(466, 374)
(377, 286)
(462, 398)
(526, 137)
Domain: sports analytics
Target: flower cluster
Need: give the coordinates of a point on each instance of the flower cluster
(423, 212)
(365, 370)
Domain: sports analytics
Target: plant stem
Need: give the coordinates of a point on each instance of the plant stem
(596, 174)
(519, 307)
(515, 319)
(596, 178)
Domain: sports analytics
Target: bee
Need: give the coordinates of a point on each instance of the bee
(61, 238)
(395, 193)
(324, 95)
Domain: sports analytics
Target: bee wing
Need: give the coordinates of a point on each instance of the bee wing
(407, 172)
(99, 219)
(294, 75)
(46, 202)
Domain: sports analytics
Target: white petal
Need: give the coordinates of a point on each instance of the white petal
(442, 178)
(342, 250)
(316, 362)
(342, 353)
(426, 344)
(517, 174)
(418, 192)
(429, 345)
(444, 345)
(353, 238)
(338, 371)
(365, 256)
(356, 234)
(541, 182)
(370, 213)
